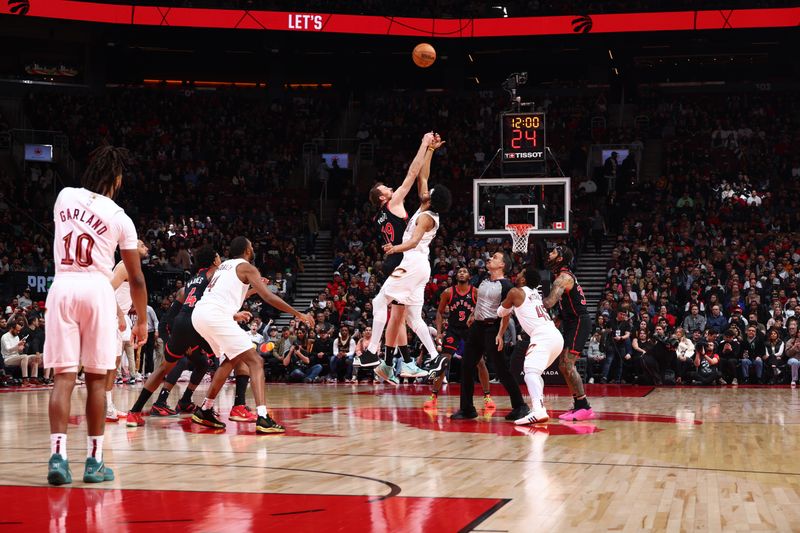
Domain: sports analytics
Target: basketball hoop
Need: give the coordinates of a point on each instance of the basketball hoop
(519, 236)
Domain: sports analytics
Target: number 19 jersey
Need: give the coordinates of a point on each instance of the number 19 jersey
(88, 229)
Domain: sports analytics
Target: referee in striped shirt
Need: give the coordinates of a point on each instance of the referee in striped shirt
(484, 325)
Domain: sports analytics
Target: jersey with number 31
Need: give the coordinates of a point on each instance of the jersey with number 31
(534, 318)
(88, 229)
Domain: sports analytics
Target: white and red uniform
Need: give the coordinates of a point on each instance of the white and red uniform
(213, 314)
(546, 341)
(407, 283)
(81, 319)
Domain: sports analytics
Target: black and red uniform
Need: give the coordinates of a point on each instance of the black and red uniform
(576, 322)
(391, 228)
(183, 337)
(461, 307)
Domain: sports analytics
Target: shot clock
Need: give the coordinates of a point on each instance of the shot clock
(522, 136)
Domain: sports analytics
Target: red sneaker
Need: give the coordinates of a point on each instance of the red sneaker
(242, 413)
(134, 420)
(488, 402)
(161, 410)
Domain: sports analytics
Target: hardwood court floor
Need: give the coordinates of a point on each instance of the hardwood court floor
(368, 458)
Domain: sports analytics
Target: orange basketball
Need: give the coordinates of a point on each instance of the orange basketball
(423, 55)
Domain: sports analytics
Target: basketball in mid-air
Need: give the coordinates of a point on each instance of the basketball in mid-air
(423, 55)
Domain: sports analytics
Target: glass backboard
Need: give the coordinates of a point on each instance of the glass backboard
(542, 202)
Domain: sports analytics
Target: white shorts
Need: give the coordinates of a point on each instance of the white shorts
(81, 323)
(542, 352)
(224, 335)
(407, 283)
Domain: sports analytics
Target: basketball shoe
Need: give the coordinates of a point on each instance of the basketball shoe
(58, 472)
(242, 413)
(207, 418)
(265, 424)
(96, 472)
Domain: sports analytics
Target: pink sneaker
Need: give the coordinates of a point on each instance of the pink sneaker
(578, 415)
(567, 415)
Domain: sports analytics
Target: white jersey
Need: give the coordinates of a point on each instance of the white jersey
(534, 318)
(423, 246)
(88, 229)
(225, 291)
(123, 295)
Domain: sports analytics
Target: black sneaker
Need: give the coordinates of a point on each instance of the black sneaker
(437, 365)
(206, 417)
(369, 359)
(462, 415)
(265, 424)
(518, 412)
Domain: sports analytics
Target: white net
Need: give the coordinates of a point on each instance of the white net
(519, 236)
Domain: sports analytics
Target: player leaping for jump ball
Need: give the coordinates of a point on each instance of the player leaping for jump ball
(391, 219)
(576, 325)
(406, 285)
(546, 342)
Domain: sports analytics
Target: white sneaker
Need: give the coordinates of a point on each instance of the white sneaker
(591, 380)
(734, 382)
(411, 370)
(112, 415)
(538, 416)
(794, 384)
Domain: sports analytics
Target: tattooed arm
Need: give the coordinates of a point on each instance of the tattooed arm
(563, 282)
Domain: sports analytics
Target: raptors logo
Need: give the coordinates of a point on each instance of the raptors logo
(582, 24)
(19, 7)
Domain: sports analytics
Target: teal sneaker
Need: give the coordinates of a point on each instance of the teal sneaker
(386, 373)
(58, 470)
(95, 472)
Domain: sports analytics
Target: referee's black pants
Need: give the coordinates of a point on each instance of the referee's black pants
(480, 342)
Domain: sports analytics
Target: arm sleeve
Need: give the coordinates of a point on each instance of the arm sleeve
(502, 311)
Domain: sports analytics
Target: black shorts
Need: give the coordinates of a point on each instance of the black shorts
(576, 333)
(454, 340)
(183, 338)
(390, 263)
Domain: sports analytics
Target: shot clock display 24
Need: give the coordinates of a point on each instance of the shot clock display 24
(523, 137)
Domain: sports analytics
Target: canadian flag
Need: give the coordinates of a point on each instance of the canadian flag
(558, 225)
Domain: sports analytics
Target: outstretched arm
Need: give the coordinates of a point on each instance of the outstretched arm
(562, 283)
(253, 277)
(413, 171)
(425, 173)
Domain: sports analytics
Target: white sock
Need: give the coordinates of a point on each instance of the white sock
(380, 315)
(418, 326)
(261, 410)
(109, 401)
(208, 403)
(94, 447)
(58, 444)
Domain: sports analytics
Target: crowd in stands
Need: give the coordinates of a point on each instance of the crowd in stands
(460, 8)
(704, 271)
(701, 285)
